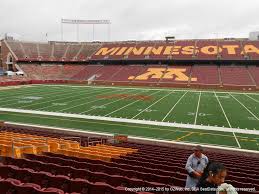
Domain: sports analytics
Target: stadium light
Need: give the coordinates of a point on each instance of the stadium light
(85, 22)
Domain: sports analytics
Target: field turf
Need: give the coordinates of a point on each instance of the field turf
(209, 108)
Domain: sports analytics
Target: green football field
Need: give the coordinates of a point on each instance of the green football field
(207, 117)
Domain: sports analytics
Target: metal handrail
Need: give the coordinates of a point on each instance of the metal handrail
(92, 142)
(71, 138)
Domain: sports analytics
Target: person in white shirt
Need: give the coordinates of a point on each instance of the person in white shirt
(195, 165)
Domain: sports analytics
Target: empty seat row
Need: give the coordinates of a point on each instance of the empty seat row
(109, 168)
(83, 139)
(64, 183)
(166, 75)
(16, 144)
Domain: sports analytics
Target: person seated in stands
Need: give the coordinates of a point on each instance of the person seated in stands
(195, 165)
(213, 176)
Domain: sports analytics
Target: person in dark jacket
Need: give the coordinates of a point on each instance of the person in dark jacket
(213, 176)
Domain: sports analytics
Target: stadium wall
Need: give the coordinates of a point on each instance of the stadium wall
(6, 54)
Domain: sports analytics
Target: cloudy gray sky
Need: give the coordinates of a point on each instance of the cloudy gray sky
(131, 19)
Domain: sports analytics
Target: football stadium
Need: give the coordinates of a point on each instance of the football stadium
(123, 116)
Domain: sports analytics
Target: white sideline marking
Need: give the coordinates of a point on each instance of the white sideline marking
(236, 140)
(151, 105)
(144, 88)
(108, 103)
(252, 98)
(128, 125)
(198, 105)
(169, 112)
(222, 147)
(245, 107)
(122, 120)
(126, 105)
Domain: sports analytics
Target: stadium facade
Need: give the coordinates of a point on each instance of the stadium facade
(215, 63)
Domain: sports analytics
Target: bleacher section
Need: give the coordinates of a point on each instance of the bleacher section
(206, 76)
(203, 63)
(31, 51)
(231, 50)
(235, 76)
(17, 49)
(203, 76)
(72, 52)
(32, 71)
(106, 73)
(250, 49)
(177, 76)
(52, 72)
(45, 51)
(21, 171)
(209, 45)
(87, 51)
(52, 51)
(66, 167)
(85, 140)
(17, 144)
(163, 161)
(70, 71)
(254, 72)
(125, 73)
(150, 74)
(59, 51)
(87, 72)
(179, 50)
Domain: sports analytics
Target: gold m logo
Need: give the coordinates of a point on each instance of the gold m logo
(177, 74)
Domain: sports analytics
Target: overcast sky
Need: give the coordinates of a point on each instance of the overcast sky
(131, 19)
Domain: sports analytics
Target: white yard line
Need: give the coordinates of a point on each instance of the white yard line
(31, 93)
(108, 103)
(126, 105)
(236, 140)
(197, 110)
(122, 120)
(169, 112)
(51, 97)
(152, 105)
(252, 98)
(227, 119)
(245, 107)
(7, 93)
(87, 102)
(84, 94)
(222, 109)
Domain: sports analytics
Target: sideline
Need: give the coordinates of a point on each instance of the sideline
(135, 121)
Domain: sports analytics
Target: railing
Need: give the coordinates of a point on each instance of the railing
(72, 138)
(94, 142)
